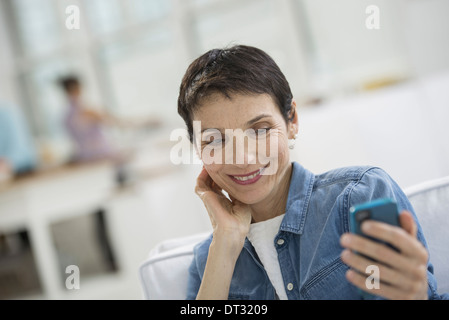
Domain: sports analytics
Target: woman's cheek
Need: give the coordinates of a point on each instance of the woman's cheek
(212, 155)
(213, 171)
(276, 152)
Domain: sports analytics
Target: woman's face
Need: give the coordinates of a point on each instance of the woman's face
(244, 144)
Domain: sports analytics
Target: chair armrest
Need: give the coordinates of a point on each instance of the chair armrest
(164, 274)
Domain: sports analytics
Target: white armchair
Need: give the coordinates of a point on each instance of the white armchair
(164, 275)
(431, 203)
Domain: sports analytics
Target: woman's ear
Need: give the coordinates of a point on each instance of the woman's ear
(293, 121)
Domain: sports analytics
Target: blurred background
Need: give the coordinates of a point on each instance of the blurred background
(371, 79)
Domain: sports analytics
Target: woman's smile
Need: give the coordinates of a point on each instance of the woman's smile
(249, 178)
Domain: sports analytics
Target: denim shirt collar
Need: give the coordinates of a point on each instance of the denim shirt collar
(300, 191)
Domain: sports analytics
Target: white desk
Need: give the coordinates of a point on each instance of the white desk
(34, 202)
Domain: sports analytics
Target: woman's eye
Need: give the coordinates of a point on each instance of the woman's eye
(215, 142)
(263, 131)
(259, 132)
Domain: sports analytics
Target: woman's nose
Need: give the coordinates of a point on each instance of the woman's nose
(242, 152)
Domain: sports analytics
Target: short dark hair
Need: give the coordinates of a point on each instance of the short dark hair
(238, 69)
(68, 82)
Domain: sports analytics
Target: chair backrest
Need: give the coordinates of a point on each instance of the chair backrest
(164, 274)
(431, 203)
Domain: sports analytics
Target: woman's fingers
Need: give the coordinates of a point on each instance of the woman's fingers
(384, 274)
(205, 183)
(384, 289)
(403, 273)
(398, 276)
(216, 188)
(373, 250)
(408, 223)
(404, 239)
(412, 264)
(201, 182)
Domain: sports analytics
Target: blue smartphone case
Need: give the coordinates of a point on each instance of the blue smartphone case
(383, 210)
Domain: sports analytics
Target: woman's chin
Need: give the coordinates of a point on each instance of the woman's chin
(250, 197)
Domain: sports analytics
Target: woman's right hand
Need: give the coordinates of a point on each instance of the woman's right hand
(230, 219)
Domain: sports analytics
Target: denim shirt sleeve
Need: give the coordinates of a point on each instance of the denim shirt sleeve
(196, 269)
(193, 282)
(375, 184)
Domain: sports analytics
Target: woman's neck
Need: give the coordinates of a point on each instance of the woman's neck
(274, 205)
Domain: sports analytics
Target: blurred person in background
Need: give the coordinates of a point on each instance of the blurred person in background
(86, 126)
(17, 152)
(87, 129)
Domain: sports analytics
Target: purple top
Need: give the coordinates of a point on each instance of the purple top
(87, 135)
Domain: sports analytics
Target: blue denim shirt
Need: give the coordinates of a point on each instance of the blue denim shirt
(317, 215)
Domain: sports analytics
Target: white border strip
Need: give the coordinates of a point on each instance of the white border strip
(426, 186)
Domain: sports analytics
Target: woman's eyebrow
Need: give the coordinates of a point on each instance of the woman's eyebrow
(249, 123)
(254, 120)
(219, 129)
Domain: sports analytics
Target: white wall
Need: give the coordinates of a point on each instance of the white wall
(402, 129)
(413, 40)
(347, 49)
(266, 24)
(426, 26)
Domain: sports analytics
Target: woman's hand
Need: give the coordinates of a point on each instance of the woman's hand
(403, 274)
(229, 219)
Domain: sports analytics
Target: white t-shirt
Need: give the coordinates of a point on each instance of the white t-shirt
(261, 235)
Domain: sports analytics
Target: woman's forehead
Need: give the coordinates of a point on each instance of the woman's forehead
(237, 109)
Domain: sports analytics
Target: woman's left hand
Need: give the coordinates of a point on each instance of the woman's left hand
(402, 275)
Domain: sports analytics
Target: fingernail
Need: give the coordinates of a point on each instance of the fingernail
(366, 226)
(350, 274)
(345, 239)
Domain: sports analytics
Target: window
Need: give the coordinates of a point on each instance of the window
(132, 54)
(37, 28)
(104, 15)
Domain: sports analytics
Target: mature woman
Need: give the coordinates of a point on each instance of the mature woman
(281, 232)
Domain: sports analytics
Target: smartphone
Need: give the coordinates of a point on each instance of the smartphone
(383, 210)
